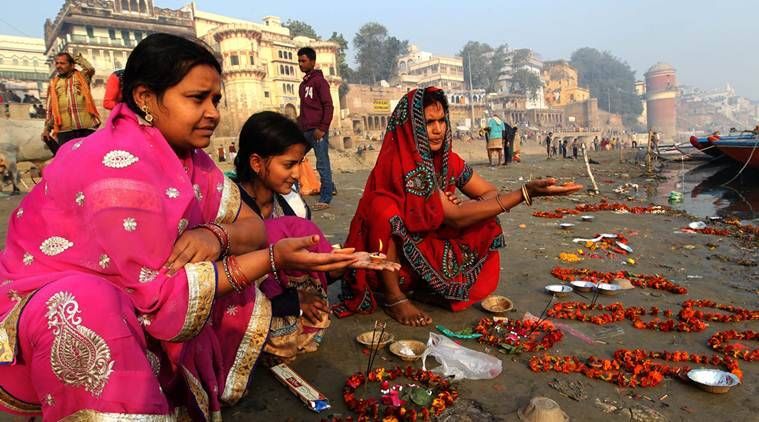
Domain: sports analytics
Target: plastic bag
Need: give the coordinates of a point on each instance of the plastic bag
(458, 361)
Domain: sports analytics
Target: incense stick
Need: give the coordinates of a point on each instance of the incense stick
(541, 319)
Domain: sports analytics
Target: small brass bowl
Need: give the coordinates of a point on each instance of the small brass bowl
(408, 350)
(366, 338)
(497, 304)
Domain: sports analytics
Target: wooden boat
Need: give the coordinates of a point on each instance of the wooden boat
(743, 149)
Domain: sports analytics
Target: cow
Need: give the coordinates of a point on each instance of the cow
(20, 142)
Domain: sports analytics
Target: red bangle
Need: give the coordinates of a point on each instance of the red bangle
(239, 277)
(221, 235)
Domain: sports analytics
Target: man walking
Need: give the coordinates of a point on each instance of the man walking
(548, 142)
(71, 112)
(315, 117)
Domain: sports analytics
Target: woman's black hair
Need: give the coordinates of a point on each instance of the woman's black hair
(435, 96)
(266, 134)
(161, 61)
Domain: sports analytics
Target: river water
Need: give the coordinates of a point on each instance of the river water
(709, 191)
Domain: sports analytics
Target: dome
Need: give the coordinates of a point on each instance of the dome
(661, 67)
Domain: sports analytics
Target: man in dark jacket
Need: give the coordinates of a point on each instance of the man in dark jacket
(315, 117)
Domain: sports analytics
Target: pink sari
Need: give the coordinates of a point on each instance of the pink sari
(91, 326)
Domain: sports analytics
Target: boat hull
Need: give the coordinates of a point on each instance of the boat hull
(745, 151)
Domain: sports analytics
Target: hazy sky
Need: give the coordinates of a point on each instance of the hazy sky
(710, 43)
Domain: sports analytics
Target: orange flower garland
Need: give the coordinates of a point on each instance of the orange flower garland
(517, 335)
(653, 281)
(578, 311)
(601, 206)
(719, 341)
(708, 230)
(736, 314)
(368, 410)
(631, 368)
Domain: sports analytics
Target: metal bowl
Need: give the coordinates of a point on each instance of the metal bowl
(497, 304)
(609, 289)
(713, 380)
(587, 218)
(566, 226)
(697, 225)
(366, 338)
(408, 350)
(559, 290)
(583, 285)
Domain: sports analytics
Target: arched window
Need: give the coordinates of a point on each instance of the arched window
(143, 7)
(124, 5)
(133, 6)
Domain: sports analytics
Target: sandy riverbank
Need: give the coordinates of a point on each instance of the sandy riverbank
(530, 254)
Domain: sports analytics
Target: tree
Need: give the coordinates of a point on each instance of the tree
(300, 28)
(610, 80)
(376, 53)
(476, 59)
(343, 69)
(525, 81)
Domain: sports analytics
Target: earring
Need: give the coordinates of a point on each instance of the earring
(148, 116)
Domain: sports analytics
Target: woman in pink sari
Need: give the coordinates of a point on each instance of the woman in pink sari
(115, 303)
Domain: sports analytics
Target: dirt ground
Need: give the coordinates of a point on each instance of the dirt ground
(531, 252)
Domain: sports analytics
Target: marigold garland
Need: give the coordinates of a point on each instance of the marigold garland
(688, 319)
(736, 314)
(651, 281)
(518, 335)
(369, 409)
(631, 368)
(719, 340)
(601, 206)
(708, 230)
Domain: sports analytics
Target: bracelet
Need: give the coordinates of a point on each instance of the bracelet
(271, 262)
(526, 196)
(500, 204)
(221, 235)
(240, 278)
(232, 282)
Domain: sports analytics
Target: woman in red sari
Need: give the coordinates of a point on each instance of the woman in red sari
(409, 211)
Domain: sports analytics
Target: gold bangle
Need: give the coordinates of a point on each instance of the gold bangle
(526, 196)
(498, 199)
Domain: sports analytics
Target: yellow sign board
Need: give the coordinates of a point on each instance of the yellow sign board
(381, 106)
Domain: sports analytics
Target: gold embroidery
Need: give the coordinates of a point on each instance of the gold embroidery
(147, 275)
(119, 159)
(55, 245)
(182, 225)
(130, 224)
(104, 261)
(198, 192)
(201, 285)
(155, 362)
(201, 397)
(230, 202)
(9, 329)
(19, 406)
(250, 348)
(172, 193)
(88, 415)
(79, 198)
(79, 356)
(28, 259)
